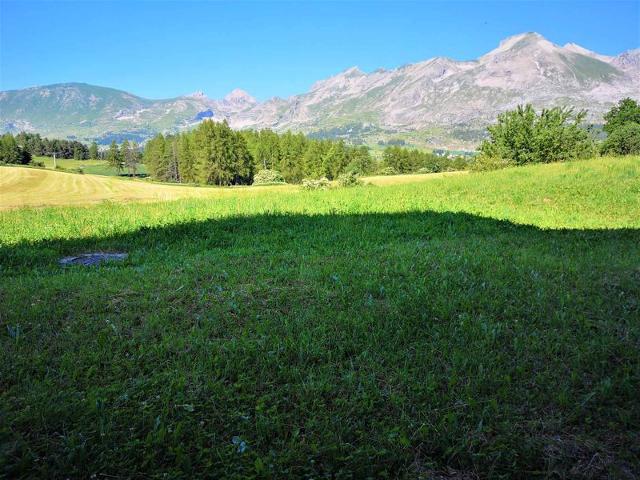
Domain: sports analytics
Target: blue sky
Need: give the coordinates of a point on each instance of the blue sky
(164, 49)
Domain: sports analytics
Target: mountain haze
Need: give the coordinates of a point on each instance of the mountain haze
(440, 101)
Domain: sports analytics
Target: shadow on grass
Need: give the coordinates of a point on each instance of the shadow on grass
(332, 345)
(282, 232)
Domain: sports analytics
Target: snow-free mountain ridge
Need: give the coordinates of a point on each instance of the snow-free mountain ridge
(440, 95)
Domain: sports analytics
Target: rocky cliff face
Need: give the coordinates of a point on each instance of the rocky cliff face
(438, 93)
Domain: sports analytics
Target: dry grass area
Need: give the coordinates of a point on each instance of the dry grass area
(31, 187)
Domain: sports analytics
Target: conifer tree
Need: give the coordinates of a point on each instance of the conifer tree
(113, 157)
(93, 151)
(186, 159)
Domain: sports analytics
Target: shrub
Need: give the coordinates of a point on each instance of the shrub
(388, 171)
(315, 184)
(37, 163)
(425, 170)
(349, 179)
(522, 136)
(624, 140)
(626, 111)
(268, 177)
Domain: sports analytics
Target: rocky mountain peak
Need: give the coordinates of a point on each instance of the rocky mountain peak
(239, 97)
(521, 45)
(352, 72)
(197, 94)
(628, 61)
(440, 93)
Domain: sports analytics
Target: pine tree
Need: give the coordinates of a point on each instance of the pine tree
(186, 159)
(93, 151)
(243, 167)
(134, 161)
(113, 157)
(171, 152)
(312, 159)
(360, 161)
(10, 152)
(125, 155)
(292, 148)
(155, 159)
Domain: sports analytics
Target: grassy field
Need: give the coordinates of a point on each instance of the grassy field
(30, 187)
(93, 167)
(484, 325)
(33, 187)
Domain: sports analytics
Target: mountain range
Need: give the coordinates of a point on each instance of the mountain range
(437, 102)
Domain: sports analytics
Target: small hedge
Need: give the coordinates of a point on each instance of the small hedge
(268, 177)
(315, 184)
(349, 179)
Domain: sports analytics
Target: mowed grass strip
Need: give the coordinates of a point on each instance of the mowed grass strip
(479, 325)
(32, 187)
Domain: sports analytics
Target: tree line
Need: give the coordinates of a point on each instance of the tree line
(403, 160)
(38, 147)
(23, 146)
(215, 154)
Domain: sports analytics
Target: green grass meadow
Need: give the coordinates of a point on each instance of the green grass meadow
(94, 167)
(474, 326)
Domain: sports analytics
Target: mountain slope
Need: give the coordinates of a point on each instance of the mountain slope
(88, 111)
(438, 94)
(440, 91)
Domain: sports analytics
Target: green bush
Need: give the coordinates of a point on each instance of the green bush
(349, 179)
(37, 163)
(623, 129)
(522, 136)
(315, 184)
(626, 111)
(268, 177)
(624, 140)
